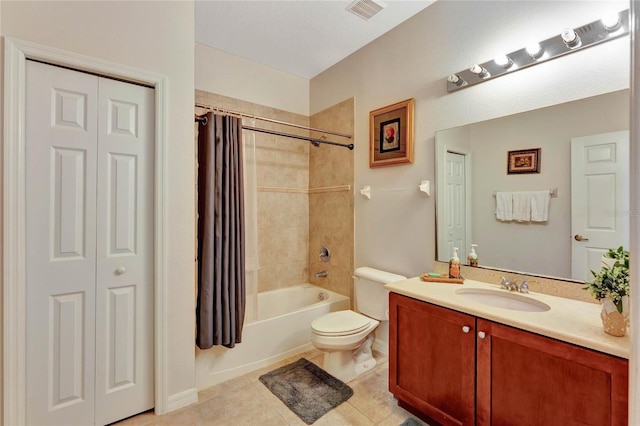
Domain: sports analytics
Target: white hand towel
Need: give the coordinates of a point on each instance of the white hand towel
(540, 206)
(522, 206)
(504, 206)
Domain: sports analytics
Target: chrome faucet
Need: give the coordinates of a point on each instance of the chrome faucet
(508, 284)
(321, 274)
(513, 286)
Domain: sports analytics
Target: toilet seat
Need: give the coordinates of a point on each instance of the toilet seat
(340, 323)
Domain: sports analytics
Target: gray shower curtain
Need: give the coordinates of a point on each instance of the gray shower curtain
(221, 258)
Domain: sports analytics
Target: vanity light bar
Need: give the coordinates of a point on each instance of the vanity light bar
(569, 41)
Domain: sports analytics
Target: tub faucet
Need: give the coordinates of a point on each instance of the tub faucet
(321, 274)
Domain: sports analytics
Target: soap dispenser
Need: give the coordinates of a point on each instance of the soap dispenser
(454, 264)
(473, 256)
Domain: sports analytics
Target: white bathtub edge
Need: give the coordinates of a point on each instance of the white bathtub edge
(222, 376)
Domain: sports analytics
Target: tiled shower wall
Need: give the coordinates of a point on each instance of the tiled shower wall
(299, 189)
(331, 219)
(283, 198)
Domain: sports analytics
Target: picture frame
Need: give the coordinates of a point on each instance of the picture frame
(523, 161)
(391, 134)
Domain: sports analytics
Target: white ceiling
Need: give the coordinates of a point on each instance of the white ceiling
(300, 37)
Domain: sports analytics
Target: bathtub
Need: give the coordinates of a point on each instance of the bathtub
(282, 329)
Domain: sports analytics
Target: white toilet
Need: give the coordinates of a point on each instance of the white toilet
(346, 337)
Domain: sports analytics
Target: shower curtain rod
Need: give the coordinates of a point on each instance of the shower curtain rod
(316, 142)
(271, 120)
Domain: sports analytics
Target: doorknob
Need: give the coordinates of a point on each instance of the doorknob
(579, 237)
(121, 270)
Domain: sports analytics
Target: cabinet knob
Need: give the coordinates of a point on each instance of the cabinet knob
(481, 334)
(466, 328)
(121, 270)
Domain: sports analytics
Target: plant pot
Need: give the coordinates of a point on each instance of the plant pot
(614, 322)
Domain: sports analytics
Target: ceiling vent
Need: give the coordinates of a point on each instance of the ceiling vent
(366, 8)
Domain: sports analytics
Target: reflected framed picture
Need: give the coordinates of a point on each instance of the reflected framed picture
(391, 135)
(523, 161)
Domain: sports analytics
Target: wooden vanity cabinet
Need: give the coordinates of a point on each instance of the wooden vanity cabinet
(432, 360)
(542, 381)
(495, 374)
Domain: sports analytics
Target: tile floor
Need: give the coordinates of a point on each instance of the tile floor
(246, 401)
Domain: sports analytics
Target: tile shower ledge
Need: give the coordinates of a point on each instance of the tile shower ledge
(571, 321)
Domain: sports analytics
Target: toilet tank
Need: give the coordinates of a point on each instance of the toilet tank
(371, 298)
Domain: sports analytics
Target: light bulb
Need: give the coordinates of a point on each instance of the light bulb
(534, 50)
(570, 37)
(479, 71)
(454, 79)
(611, 22)
(503, 60)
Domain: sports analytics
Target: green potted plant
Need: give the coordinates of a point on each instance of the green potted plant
(611, 287)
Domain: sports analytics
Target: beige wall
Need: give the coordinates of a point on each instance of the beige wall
(228, 75)
(331, 201)
(395, 230)
(157, 36)
(1, 249)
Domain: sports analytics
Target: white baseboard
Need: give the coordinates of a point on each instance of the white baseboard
(182, 399)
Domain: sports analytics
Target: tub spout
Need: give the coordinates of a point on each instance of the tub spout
(321, 274)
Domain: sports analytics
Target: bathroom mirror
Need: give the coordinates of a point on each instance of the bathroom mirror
(471, 166)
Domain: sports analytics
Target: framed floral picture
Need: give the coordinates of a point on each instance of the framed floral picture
(523, 161)
(391, 135)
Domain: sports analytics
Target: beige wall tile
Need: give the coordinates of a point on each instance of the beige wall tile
(331, 220)
(292, 226)
(283, 219)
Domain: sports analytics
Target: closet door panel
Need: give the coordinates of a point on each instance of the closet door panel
(124, 372)
(61, 240)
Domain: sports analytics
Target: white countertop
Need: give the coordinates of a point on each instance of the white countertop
(571, 321)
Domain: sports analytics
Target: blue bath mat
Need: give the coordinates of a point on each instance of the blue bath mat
(306, 389)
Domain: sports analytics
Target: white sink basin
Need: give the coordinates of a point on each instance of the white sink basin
(502, 299)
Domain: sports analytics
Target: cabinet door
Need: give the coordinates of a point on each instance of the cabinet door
(432, 359)
(527, 379)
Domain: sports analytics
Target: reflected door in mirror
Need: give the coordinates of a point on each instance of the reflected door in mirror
(456, 203)
(599, 199)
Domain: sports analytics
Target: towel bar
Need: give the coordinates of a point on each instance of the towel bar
(553, 192)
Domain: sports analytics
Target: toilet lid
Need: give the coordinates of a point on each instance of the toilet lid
(340, 323)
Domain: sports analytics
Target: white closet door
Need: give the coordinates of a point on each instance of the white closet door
(124, 298)
(89, 227)
(61, 244)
